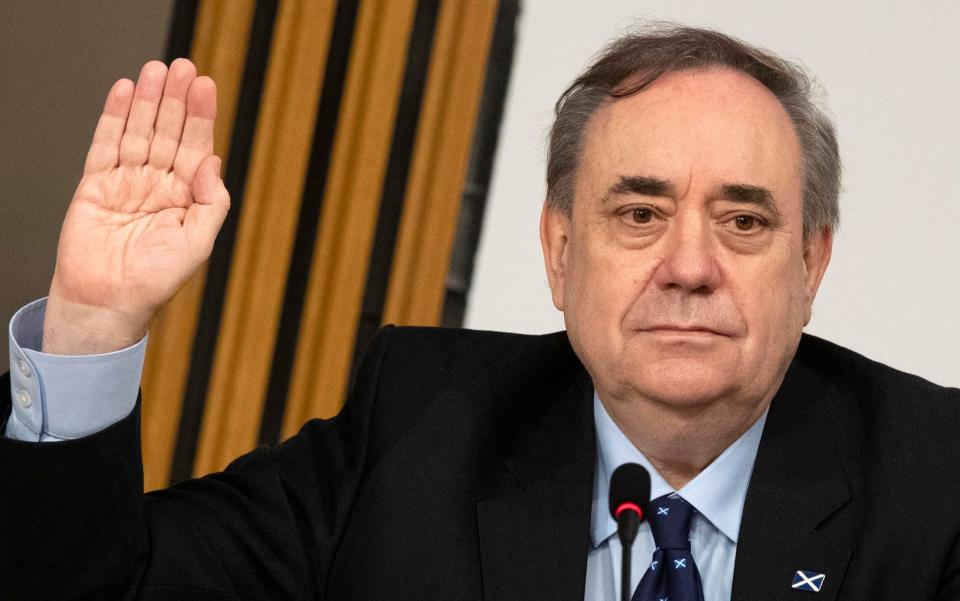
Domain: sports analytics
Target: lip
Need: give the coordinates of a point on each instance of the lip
(682, 330)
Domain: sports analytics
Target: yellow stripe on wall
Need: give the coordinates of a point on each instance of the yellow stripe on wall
(441, 154)
(219, 49)
(350, 208)
(265, 233)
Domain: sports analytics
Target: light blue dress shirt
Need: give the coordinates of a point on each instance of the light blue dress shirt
(59, 398)
(717, 493)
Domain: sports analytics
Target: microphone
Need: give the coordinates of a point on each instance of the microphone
(629, 494)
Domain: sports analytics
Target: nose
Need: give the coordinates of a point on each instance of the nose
(689, 261)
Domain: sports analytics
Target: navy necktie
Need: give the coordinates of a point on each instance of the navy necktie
(672, 575)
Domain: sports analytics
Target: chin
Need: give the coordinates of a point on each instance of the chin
(682, 382)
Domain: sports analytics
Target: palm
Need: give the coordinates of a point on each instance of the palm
(150, 202)
(123, 234)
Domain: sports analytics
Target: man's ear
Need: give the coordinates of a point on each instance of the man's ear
(554, 239)
(817, 250)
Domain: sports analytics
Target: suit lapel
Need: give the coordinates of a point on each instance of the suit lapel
(794, 518)
(534, 522)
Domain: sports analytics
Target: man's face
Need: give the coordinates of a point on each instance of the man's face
(682, 271)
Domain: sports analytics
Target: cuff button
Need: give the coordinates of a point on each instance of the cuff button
(24, 367)
(23, 398)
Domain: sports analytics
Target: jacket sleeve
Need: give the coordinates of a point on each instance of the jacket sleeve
(74, 523)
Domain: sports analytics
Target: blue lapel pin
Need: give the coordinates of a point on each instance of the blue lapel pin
(808, 581)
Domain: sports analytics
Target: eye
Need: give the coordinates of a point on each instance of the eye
(748, 223)
(642, 215)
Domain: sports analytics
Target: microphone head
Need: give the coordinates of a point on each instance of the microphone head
(629, 486)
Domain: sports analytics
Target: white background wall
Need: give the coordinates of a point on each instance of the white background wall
(892, 74)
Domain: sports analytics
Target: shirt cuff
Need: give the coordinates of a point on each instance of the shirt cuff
(58, 397)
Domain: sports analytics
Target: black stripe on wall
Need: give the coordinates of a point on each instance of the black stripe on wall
(473, 200)
(211, 307)
(398, 171)
(311, 205)
(182, 23)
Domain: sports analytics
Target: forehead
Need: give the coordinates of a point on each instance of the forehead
(704, 127)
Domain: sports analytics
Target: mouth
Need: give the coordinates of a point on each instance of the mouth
(682, 331)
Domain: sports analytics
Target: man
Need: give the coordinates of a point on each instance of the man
(692, 195)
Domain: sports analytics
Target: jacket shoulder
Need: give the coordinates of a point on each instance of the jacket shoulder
(861, 374)
(443, 346)
(884, 403)
(420, 364)
(410, 375)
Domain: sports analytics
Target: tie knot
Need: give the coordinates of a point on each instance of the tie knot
(669, 518)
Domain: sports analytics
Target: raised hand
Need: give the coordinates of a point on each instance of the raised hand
(145, 214)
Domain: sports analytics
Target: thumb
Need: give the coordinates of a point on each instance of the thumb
(208, 188)
(211, 201)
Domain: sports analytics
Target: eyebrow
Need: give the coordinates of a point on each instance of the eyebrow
(749, 194)
(640, 184)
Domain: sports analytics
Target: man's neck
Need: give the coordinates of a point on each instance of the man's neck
(681, 443)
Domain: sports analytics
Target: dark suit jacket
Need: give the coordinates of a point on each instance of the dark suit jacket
(462, 467)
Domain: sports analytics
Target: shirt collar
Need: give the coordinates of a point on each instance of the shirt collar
(718, 492)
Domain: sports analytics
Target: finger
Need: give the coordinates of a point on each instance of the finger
(196, 143)
(105, 147)
(135, 144)
(173, 110)
(211, 203)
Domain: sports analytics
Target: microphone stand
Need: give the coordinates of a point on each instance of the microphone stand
(625, 592)
(628, 516)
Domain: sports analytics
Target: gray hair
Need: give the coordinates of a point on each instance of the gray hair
(630, 63)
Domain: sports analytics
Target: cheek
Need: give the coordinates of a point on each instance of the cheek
(601, 286)
(775, 305)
